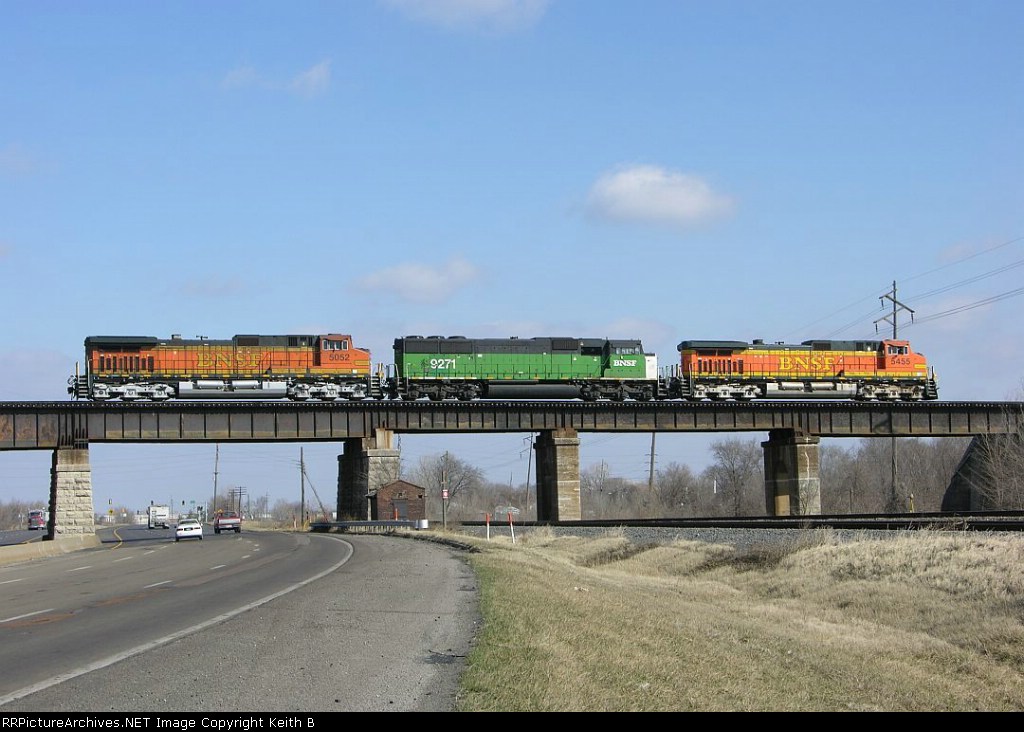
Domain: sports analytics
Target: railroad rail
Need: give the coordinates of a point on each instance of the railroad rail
(951, 521)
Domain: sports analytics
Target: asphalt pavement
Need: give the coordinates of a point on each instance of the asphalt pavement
(388, 631)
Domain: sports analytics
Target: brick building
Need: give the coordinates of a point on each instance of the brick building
(399, 500)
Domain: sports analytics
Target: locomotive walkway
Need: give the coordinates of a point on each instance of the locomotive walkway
(369, 460)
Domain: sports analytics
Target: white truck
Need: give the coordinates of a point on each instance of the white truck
(159, 517)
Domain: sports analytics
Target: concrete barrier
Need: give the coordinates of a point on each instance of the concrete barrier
(28, 551)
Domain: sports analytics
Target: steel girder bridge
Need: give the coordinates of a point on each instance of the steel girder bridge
(367, 428)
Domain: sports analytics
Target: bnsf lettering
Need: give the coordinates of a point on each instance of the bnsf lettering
(807, 363)
(624, 362)
(228, 361)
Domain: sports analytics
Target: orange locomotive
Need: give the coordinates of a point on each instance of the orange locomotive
(816, 369)
(298, 367)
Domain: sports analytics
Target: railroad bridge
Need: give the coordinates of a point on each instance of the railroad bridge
(369, 458)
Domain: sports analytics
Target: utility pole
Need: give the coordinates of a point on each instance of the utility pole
(896, 307)
(444, 492)
(302, 489)
(216, 463)
(529, 467)
(238, 492)
(894, 502)
(650, 474)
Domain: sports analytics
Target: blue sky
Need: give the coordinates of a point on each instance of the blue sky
(662, 170)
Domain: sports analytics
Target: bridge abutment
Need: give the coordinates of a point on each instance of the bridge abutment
(366, 464)
(791, 479)
(558, 475)
(71, 508)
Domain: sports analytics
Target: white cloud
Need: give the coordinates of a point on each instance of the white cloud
(487, 15)
(649, 194)
(312, 81)
(421, 283)
(241, 77)
(308, 83)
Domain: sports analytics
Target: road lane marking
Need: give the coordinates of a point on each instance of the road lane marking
(110, 660)
(27, 615)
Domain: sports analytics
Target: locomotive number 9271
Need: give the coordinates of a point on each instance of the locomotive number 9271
(330, 367)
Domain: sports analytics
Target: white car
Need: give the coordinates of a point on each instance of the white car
(188, 529)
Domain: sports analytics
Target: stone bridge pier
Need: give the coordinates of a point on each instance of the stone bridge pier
(72, 520)
(366, 464)
(791, 481)
(558, 475)
(792, 484)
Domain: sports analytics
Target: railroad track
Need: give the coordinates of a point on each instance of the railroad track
(954, 521)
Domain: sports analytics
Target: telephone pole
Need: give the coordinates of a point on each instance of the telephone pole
(444, 492)
(216, 463)
(893, 318)
(650, 474)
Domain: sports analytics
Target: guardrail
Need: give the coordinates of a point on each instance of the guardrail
(366, 527)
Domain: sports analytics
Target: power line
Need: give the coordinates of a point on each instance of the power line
(972, 306)
(855, 322)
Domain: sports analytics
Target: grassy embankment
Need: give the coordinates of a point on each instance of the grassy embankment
(927, 621)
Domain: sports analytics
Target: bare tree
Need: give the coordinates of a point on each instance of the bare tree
(926, 467)
(437, 473)
(593, 487)
(738, 475)
(603, 495)
(859, 479)
(1000, 484)
(287, 513)
(676, 491)
(842, 480)
(14, 514)
(874, 477)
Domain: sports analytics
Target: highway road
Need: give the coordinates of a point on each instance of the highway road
(254, 622)
(20, 536)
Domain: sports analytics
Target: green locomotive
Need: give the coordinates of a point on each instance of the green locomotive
(456, 367)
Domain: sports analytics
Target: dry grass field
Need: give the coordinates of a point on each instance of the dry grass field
(923, 621)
